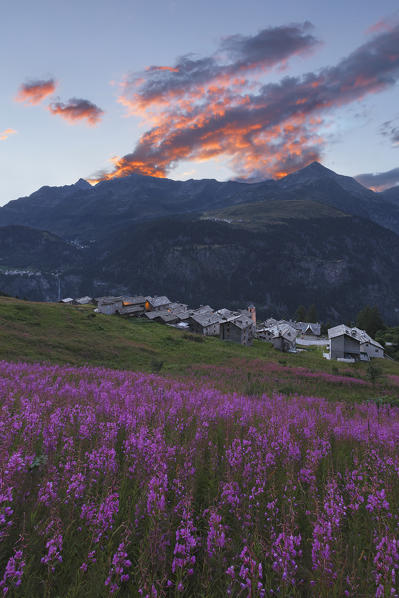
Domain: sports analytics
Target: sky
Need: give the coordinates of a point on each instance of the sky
(185, 89)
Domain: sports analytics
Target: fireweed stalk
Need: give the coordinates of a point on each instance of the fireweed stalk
(131, 484)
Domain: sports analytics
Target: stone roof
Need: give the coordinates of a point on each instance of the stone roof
(241, 322)
(206, 319)
(226, 314)
(282, 329)
(84, 300)
(136, 300)
(270, 322)
(108, 300)
(202, 309)
(355, 333)
(314, 327)
(158, 301)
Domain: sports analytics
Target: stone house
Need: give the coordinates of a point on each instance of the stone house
(238, 329)
(371, 348)
(156, 303)
(207, 323)
(109, 305)
(344, 343)
(84, 300)
(282, 335)
(133, 306)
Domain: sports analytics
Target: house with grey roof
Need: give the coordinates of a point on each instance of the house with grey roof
(157, 303)
(68, 301)
(84, 300)
(310, 328)
(132, 306)
(238, 329)
(207, 323)
(109, 305)
(352, 344)
(281, 335)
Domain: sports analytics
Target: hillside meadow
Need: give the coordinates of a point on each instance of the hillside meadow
(142, 461)
(75, 335)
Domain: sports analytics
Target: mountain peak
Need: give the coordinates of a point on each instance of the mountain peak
(82, 184)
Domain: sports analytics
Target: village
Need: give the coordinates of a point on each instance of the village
(343, 343)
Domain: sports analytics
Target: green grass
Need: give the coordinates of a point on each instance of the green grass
(62, 334)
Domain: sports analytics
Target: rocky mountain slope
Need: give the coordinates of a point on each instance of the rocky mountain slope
(83, 212)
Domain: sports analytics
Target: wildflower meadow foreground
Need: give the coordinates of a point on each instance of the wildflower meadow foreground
(129, 484)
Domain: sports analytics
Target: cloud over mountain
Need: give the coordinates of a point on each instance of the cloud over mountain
(379, 180)
(36, 91)
(77, 109)
(201, 108)
(390, 129)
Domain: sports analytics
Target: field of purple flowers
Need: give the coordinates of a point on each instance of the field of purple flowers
(128, 484)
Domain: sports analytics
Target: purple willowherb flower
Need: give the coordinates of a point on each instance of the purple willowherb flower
(183, 554)
(156, 498)
(47, 493)
(117, 574)
(216, 539)
(325, 533)
(285, 551)
(6, 511)
(248, 578)
(13, 573)
(101, 518)
(76, 487)
(386, 563)
(54, 549)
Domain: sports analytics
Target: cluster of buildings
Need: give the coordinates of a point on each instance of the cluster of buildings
(344, 343)
(238, 326)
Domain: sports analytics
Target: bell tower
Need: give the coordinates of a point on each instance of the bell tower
(252, 312)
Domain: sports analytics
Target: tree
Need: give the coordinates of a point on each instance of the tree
(370, 320)
(312, 314)
(300, 314)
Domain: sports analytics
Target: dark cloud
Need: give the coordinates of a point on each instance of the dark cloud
(266, 130)
(379, 180)
(390, 129)
(236, 56)
(269, 47)
(77, 109)
(36, 91)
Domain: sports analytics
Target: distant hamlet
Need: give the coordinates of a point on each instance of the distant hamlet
(344, 343)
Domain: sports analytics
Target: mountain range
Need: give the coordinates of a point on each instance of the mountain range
(313, 237)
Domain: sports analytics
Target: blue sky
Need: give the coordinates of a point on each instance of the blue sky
(89, 48)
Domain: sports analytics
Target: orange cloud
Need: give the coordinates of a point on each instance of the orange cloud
(6, 133)
(76, 110)
(204, 108)
(36, 91)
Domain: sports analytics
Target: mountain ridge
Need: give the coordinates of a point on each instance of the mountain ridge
(305, 239)
(88, 212)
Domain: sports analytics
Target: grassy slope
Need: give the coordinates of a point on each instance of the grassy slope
(70, 334)
(257, 215)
